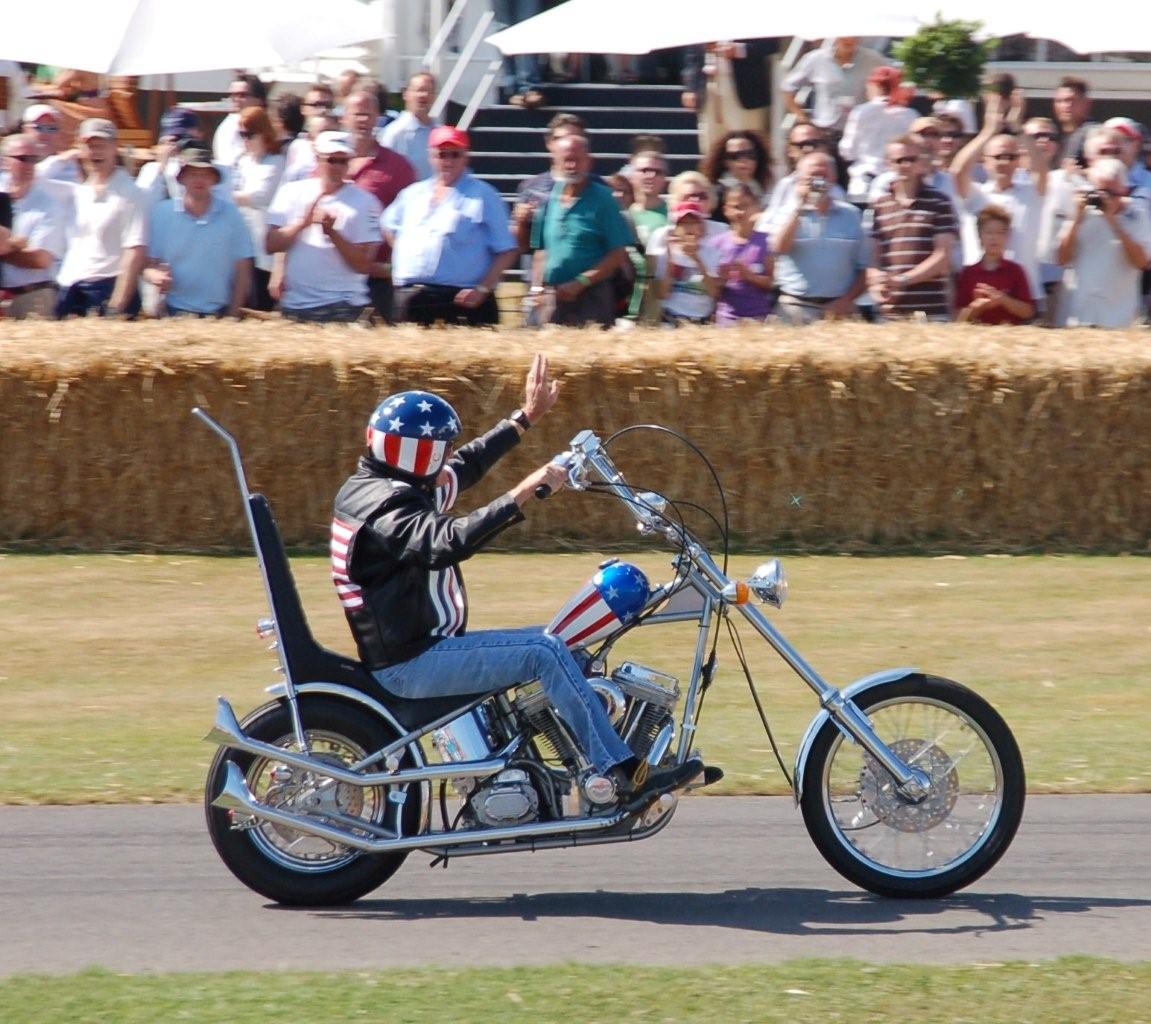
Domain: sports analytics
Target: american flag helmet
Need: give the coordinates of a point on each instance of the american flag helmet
(612, 598)
(412, 431)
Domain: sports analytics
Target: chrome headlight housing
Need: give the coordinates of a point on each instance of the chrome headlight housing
(769, 583)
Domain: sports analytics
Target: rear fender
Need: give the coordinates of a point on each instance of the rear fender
(849, 692)
(349, 696)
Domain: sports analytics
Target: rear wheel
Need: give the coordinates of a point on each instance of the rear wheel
(895, 846)
(285, 864)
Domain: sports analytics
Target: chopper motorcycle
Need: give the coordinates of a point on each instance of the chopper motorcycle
(910, 785)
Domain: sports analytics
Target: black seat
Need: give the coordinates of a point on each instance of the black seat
(306, 660)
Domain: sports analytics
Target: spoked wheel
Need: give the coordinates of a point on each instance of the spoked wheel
(926, 845)
(290, 866)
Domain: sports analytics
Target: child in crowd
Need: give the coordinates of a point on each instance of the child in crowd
(994, 290)
(745, 261)
(687, 275)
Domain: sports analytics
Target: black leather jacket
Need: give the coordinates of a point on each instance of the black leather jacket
(396, 550)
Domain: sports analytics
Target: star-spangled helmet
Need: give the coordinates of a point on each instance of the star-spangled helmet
(612, 598)
(411, 431)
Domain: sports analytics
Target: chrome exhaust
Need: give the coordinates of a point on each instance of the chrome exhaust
(236, 796)
(226, 732)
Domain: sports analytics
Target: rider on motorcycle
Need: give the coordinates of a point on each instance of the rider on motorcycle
(396, 551)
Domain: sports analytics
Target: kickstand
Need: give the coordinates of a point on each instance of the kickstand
(443, 859)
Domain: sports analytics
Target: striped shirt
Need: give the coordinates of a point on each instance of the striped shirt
(904, 237)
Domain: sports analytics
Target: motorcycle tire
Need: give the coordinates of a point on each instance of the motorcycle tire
(284, 864)
(897, 847)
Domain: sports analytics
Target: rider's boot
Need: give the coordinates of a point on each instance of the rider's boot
(641, 785)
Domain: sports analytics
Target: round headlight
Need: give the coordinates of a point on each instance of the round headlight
(769, 583)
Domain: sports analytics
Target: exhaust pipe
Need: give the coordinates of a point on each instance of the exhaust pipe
(226, 732)
(236, 796)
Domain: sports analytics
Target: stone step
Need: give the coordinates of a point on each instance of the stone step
(680, 141)
(654, 119)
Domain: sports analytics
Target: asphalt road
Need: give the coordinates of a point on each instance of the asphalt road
(730, 880)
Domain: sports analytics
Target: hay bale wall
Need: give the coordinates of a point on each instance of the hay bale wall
(851, 437)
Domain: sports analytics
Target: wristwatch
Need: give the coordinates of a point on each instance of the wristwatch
(520, 419)
(483, 289)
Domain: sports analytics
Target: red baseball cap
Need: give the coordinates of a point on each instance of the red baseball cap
(690, 208)
(446, 135)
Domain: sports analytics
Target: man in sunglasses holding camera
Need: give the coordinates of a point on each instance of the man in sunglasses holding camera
(1105, 245)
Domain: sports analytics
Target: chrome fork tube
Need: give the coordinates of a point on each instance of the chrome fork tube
(913, 782)
(691, 698)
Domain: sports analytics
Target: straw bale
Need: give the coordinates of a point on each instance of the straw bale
(836, 436)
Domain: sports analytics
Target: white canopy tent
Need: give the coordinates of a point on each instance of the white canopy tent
(141, 37)
(639, 26)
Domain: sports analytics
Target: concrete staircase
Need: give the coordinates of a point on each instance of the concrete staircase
(508, 142)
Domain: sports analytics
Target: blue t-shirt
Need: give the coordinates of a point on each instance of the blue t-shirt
(201, 252)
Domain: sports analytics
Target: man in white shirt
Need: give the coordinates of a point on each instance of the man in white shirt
(105, 230)
(36, 243)
(837, 73)
(329, 231)
(1020, 193)
(1105, 245)
(245, 91)
(408, 134)
(319, 110)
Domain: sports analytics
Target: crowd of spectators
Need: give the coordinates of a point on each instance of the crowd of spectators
(326, 208)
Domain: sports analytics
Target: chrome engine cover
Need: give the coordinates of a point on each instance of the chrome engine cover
(509, 799)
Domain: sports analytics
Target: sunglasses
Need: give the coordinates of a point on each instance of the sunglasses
(1043, 136)
(1004, 156)
(807, 144)
(449, 154)
(24, 158)
(649, 170)
(740, 154)
(335, 158)
(1107, 151)
(320, 105)
(244, 135)
(903, 161)
(48, 129)
(929, 133)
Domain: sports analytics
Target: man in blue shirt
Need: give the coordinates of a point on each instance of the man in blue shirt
(580, 238)
(409, 133)
(450, 240)
(199, 249)
(821, 251)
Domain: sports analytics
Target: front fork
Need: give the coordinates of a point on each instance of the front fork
(912, 783)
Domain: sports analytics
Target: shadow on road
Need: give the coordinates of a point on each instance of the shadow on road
(776, 911)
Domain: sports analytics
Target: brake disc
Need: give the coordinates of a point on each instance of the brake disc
(880, 794)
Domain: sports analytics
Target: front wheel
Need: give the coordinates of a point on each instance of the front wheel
(293, 867)
(896, 846)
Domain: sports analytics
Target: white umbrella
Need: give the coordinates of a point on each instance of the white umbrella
(140, 37)
(639, 26)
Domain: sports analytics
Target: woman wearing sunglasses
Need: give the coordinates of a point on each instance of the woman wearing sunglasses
(255, 177)
(738, 158)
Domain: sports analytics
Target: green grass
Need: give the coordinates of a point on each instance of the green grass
(109, 665)
(1074, 989)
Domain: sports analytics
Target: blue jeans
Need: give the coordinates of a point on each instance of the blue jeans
(494, 658)
(93, 293)
(523, 70)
